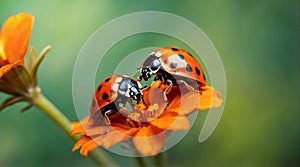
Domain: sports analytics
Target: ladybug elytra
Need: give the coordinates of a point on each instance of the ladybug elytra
(173, 66)
(111, 94)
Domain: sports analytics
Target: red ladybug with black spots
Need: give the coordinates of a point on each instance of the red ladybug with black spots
(173, 66)
(111, 94)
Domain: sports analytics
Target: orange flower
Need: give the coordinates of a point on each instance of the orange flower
(147, 129)
(17, 78)
(14, 38)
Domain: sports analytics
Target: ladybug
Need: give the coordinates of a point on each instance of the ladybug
(111, 94)
(173, 66)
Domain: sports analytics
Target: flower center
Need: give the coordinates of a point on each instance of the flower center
(141, 116)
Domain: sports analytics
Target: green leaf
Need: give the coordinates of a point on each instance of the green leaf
(10, 101)
(32, 56)
(37, 63)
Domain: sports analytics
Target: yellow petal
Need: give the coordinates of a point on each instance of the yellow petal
(14, 37)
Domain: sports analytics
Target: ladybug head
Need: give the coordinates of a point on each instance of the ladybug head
(150, 67)
(131, 89)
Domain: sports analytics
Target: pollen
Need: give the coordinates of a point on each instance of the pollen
(134, 116)
(153, 107)
(140, 106)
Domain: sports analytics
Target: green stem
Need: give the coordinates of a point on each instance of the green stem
(160, 159)
(97, 155)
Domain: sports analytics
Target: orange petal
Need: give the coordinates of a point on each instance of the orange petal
(98, 127)
(87, 128)
(115, 136)
(193, 101)
(176, 92)
(89, 146)
(147, 142)
(171, 121)
(96, 130)
(15, 36)
(181, 123)
(155, 85)
(4, 69)
(79, 128)
(156, 96)
(81, 142)
(156, 105)
(185, 105)
(210, 98)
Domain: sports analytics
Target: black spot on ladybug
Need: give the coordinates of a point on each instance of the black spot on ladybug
(107, 79)
(174, 65)
(188, 68)
(175, 49)
(104, 96)
(93, 103)
(99, 88)
(181, 56)
(197, 70)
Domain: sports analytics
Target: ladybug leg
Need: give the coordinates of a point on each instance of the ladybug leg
(158, 77)
(143, 100)
(170, 85)
(107, 120)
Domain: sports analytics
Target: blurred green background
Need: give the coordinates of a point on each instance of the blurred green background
(258, 42)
